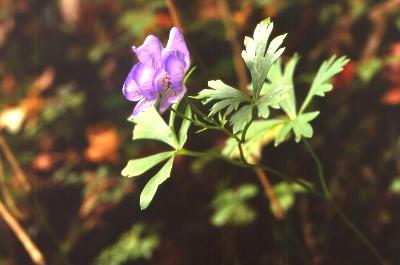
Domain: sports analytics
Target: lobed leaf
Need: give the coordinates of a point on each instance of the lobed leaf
(150, 125)
(136, 167)
(300, 126)
(320, 84)
(227, 97)
(151, 187)
(241, 118)
(258, 57)
(185, 127)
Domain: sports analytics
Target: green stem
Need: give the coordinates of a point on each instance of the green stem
(321, 174)
(276, 172)
(328, 197)
(360, 235)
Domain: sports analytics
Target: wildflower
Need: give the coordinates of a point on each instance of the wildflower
(158, 76)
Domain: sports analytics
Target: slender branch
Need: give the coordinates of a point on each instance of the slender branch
(320, 169)
(279, 174)
(8, 200)
(328, 197)
(33, 251)
(173, 11)
(360, 235)
(19, 173)
(269, 192)
(231, 35)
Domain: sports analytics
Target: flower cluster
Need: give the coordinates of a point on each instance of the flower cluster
(159, 74)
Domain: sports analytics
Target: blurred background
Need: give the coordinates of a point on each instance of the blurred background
(64, 137)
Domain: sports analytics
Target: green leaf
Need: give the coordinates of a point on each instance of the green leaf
(185, 127)
(227, 97)
(368, 69)
(320, 84)
(138, 243)
(259, 134)
(231, 207)
(300, 126)
(283, 133)
(395, 185)
(241, 118)
(150, 125)
(151, 187)
(285, 192)
(258, 57)
(136, 167)
(272, 99)
(284, 81)
(135, 21)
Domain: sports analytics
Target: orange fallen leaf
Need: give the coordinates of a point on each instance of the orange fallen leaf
(103, 143)
(392, 97)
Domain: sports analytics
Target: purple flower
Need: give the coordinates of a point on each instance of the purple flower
(158, 76)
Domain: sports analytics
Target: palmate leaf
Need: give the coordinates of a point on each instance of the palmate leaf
(258, 57)
(284, 81)
(259, 134)
(241, 117)
(228, 97)
(272, 98)
(136, 167)
(151, 187)
(320, 84)
(150, 125)
(300, 126)
(185, 127)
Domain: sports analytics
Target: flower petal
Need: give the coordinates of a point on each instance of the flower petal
(150, 51)
(143, 105)
(144, 74)
(176, 43)
(175, 68)
(130, 89)
(170, 97)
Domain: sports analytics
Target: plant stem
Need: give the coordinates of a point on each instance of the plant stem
(359, 234)
(276, 172)
(328, 197)
(269, 192)
(321, 174)
(19, 173)
(30, 247)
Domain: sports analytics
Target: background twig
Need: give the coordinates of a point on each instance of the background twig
(33, 251)
(19, 173)
(231, 35)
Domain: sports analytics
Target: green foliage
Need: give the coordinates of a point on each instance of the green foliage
(136, 167)
(259, 134)
(150, 125)
(259, 55)
(228, 97)
(136, 244)
(367, 70)
(185, 127)
(242, 117)
(320, 84)
(300, 126)
(395, 185)
(231, 207)
(299, 122)
(286, 192)
(135, 21)
(151, 187)
(284, 80)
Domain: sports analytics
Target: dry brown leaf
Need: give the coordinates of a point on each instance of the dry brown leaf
(8, 84)
(103, 143)
(392, 97)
